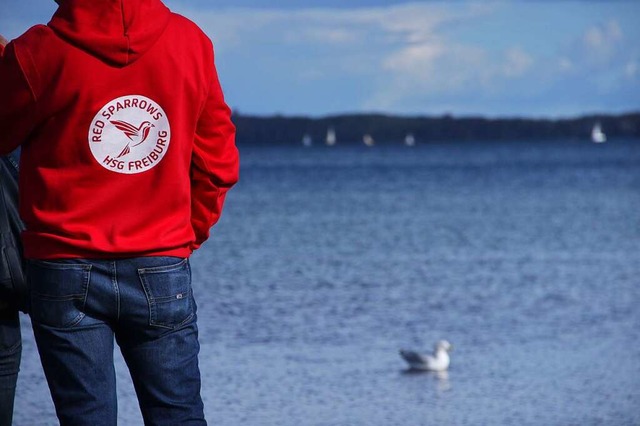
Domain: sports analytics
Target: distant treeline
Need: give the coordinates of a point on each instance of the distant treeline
(387, 129)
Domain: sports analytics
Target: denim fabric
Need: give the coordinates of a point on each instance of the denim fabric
(10, 351)
(78, 306)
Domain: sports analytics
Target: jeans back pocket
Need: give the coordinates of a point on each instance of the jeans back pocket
(168, 291)
(58, 291)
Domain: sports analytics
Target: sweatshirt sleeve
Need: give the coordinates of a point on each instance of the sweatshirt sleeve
(214, 163)
(17, 102)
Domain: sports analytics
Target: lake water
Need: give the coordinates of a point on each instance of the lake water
(525, 256)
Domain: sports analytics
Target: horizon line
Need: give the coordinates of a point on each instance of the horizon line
(448, 115)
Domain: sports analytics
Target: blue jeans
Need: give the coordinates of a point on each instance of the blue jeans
(10, 351)
(78, 306)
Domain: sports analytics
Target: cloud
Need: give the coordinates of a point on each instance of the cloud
(600, 44)
(434, 69)
(596, 70)
(600, 66)
(517, 62)
(412, 57)
(603, 58)
(402, 45)
(603, 37)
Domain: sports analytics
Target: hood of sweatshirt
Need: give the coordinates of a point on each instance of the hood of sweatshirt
(116, 31)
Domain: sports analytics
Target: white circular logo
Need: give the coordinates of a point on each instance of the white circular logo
(130, 134)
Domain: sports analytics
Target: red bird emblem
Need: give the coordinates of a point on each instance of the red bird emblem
(135, 134)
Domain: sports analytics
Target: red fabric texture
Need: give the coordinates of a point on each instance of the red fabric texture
(128, 148)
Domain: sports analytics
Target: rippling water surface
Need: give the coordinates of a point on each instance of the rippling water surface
(327, 261)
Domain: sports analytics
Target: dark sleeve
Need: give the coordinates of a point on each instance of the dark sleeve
(17, 102)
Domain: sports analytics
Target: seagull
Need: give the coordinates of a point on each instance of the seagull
(141, 132)
(439, 361)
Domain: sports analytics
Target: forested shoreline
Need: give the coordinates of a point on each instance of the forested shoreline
(390, 129)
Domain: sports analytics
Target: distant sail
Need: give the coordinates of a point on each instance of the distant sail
(306, 140)
(597, 135)
(409, 140)
(368, 140)
(331, 137)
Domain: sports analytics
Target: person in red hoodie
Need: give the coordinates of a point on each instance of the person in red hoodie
(128, 150)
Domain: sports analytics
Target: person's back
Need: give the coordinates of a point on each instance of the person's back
(117, 95)
(127, 154)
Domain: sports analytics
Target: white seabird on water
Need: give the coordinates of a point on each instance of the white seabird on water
(438, 361)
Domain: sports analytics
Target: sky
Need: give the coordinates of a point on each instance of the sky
(318, 58)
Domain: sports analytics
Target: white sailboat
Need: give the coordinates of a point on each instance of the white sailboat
(597, 135)
(409, 140)
(368, 140)
(331, 137)
(306, 140)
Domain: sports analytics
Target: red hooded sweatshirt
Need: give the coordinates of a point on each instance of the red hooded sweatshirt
(127, 144)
